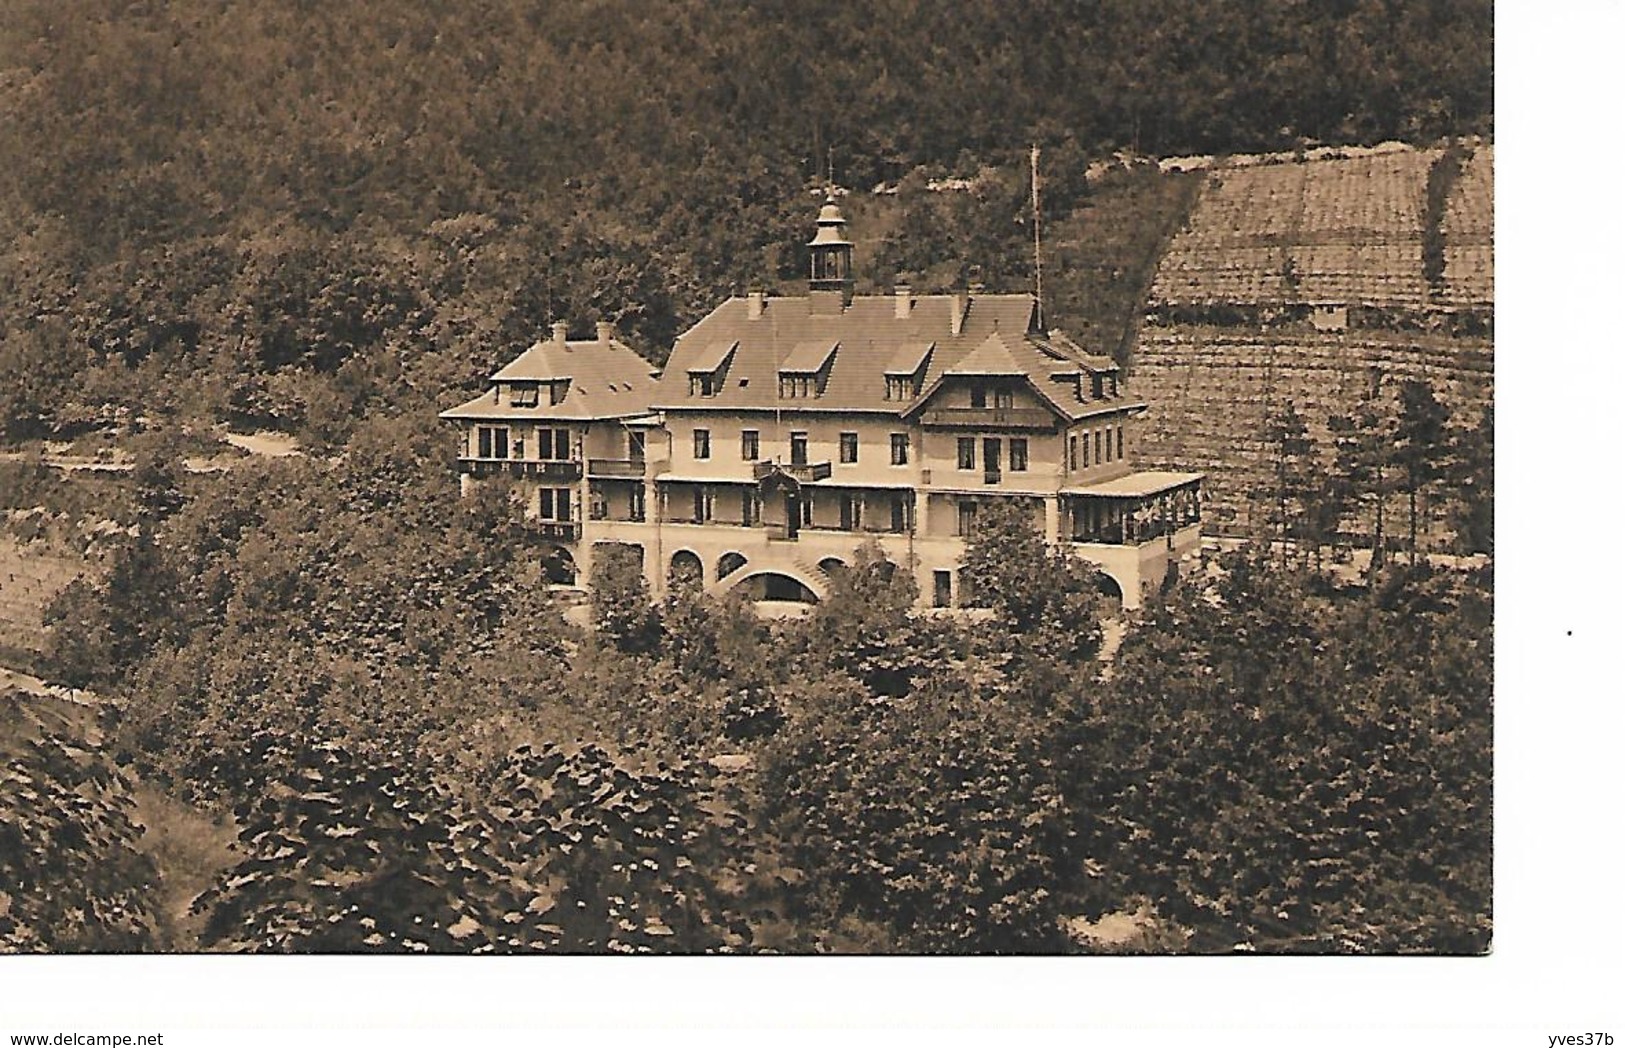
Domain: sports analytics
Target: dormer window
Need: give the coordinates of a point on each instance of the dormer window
(525, 395)
(557, 390)
(792, 387)
(905, 371)
(806, 369)
(709, 371)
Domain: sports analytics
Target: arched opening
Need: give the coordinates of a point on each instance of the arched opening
(1110, 590)
(771, 585)
(558, 566)
(729, 563)
(832, 566)
(687, 571)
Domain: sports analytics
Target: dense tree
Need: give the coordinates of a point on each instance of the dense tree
(1475, 523)
(1044, 598)
(1292, 453)
(1362, 467)
(72, 874)
(1284, 768)
(1422, 451)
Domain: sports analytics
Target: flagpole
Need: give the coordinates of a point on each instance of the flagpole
(1038, 250)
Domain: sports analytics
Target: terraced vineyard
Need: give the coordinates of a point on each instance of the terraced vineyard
(1334, 231)
(1469, 234)
(1305, 284)
(1212, 390)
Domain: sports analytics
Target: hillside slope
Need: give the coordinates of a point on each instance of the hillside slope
(1306, 284)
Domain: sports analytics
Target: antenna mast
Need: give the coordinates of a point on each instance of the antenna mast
(1038, 250)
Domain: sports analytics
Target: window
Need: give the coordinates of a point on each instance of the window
(978, 397)
(525, 396)
(942, 588)
(635, 503)
(493, 442)
(849, 447)
(750, 445)
(967, 452)
(1120, 440)
(702, 443)
(553, 445)
(1072, 453)
(703, 385)
(967, 519)
(899, 449)
(798, 449)
(992, 458)
(1018, 454)
(1003, 398)
(705, 505)
(635, 445)
(899, 387)
(806, 509)
(1086, 449)
(1098, 457)
(556, 391)
(792, 386)
(555, 503)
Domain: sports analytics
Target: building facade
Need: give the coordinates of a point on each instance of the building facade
(786, 431)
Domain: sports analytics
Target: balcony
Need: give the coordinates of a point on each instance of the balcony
(616, 468)
(563, 470)
(983, 418)
(559, 530)
(806, 472)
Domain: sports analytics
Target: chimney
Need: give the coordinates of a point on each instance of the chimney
(958, 305)
(561, 331)
(904, 299)
(754, 304)
(606, 331)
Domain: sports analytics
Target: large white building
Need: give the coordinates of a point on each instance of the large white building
(784, 432)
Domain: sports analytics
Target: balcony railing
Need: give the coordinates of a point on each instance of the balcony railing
(560, 530)
(992, 476)
(806, 472)
(1012, 418)
(1131, 533)
(615, 467)
(563, 470)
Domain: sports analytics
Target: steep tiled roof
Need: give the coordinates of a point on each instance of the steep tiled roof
(992, 357)
(607, 380)
(910, 359)
(873, 341)
(808, 357)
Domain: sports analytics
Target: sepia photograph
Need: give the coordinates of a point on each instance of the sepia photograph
(762, 478)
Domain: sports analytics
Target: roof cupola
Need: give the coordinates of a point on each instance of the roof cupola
(830, 278)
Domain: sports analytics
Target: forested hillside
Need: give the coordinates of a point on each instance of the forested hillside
(211, 204)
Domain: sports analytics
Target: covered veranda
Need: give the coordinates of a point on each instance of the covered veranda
(1133, 509)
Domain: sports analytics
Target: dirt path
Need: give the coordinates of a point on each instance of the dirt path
(1112, 632)
(264, 442)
